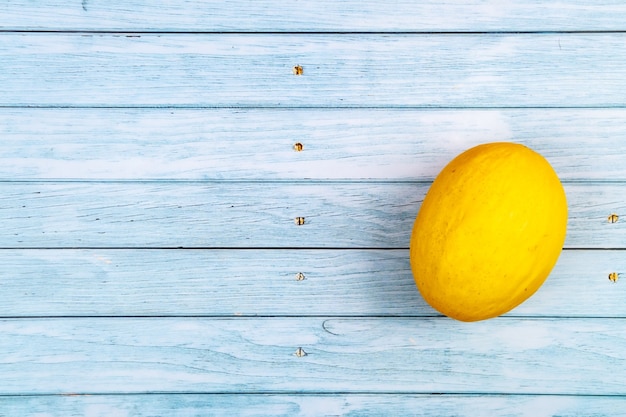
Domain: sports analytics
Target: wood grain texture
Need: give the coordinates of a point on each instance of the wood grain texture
(317, 15)
(310, 405)
(527, 70)
(500, 356)
(150, 263)
(235, 283)
(348, 144)
(253, 214)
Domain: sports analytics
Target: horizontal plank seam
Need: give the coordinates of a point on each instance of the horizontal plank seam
(302, 107)
(214, 181)
(232, 317)
(216, 248)
(308, 393)
(300, 182)
(254, 248)
(246, 248)
(377, 317)
(314, 393)
(311, 33)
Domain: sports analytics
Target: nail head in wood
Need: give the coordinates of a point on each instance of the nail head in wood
(300, 352)
(300, 276)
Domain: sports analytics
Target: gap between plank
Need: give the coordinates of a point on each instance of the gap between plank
(233, 317)
(303, 107)
(311, 393)
(330, 181)
(309, 32)
(248, 248)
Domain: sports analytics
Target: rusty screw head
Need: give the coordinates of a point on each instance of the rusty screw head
(613, 276)
(613, 218)
(299, 221)
(298, 70)
(298, 147)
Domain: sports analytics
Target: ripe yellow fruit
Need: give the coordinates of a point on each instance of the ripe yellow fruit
(489, 231)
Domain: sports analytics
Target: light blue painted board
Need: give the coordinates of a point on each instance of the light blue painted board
(254, 214)
(352, 144)
(252, 355)
(386, 355)
(315, 15)
(259, 405)
(236, 283)
(206, 282)
(548, 70)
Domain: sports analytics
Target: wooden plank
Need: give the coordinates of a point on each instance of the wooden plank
(253, 214)
(500, 356)
(346, 144)
(263, 405)
(317, 15)
(234, 283)
(546, 70)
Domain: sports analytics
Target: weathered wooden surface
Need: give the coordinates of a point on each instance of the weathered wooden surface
(289, 282)
(318, 15)
(321, 355)
(312, 405)
(150, 260)
(217, 70)
(338, 144)
(254, 214)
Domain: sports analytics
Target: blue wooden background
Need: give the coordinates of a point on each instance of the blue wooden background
(206, 206)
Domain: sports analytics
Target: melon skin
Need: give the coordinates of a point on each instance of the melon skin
(489, 231)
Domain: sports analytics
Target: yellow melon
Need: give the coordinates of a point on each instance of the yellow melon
(489, 231)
